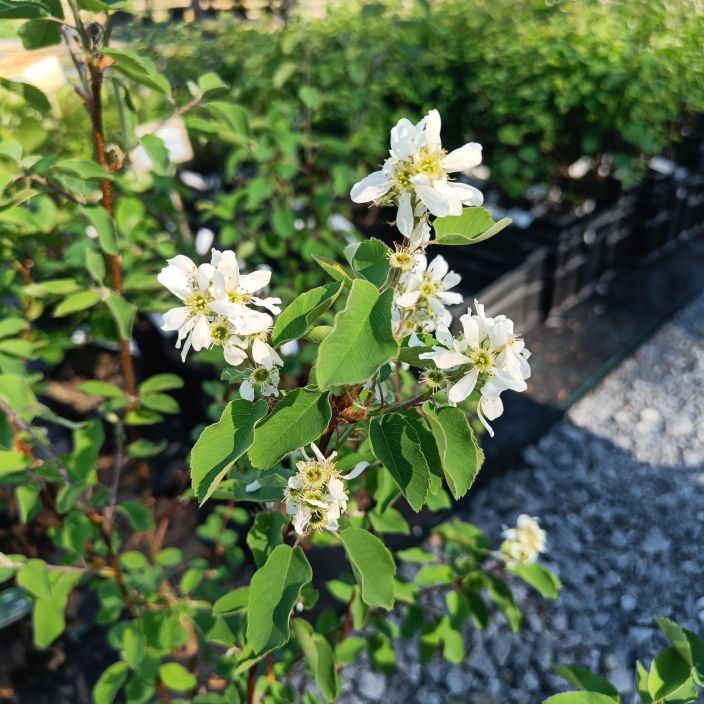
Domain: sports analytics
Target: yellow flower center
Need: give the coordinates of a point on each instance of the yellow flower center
(239, 297)
(482, 359)
(219, 333)
(260, 375)
(198, 301)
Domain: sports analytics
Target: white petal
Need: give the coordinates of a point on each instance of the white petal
(358, 469)
(415, 341)
(438, 267)
(227, 264)
(317, 452)
(449, 298)
(436, 202)
(402, 139)
(370, 188)
(451, 280)
(452, 196)
(175, 318)
(408, 299)
(466, 157)
(404, 217)
(463, 388)
(254, 281)
(201, 333)
(176, 280)
(264, 354)
(433, 123)
(247, 390)
(253, 486)
(205, 275)
(272, 304)
(492, 407)
(233, 354)
(471, 330)
(444, 337)
(468, 195)
(420, 235)
(252, 322)
(182, 262)
(447, 360)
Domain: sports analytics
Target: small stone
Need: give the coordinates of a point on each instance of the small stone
(456, 682)
(655, 542)
(628, 602)
(650, 420)
(372, 685)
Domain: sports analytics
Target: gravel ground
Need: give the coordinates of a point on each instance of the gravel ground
(619, 487)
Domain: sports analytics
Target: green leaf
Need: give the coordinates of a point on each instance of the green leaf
(220, 445)
(76, 302)
(265, 535)
(55, 287)
(158, 154)
(137, 514)
(139, 68)
(500, 594)
(310, 96)
(12, 461)
(110, 683)
(34, 577)
(85, 169)
(123, 314)
(12, 326)
(27, 495)
(333, 268)
(641, 683)
(370, 259)
(133, 642)
(232, 602)
(104, 225)
(581, 678)
(361, 340)
(688, 645)
(300, 418)
(274, 590)
(372, 564)
(33, 96)
(474, 225)
(460, 455)
(144, 448)
(36, 34)
(297, 318)
(102, 389)
(580, 698)
(390, 521)
(95, 265)
(668, 672)
(542, 580)
(396, 445)
(210, 83)
(176, 677)
(319, 656)
(160, 382)
(16, 10)
(161, 403)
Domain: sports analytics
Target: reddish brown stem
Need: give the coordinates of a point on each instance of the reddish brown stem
(251, 682)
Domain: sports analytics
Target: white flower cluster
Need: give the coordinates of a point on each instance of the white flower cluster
(488, 355)
(423, 294)
(523, 543)
(415, 177)
(316, 496)
(220, 310)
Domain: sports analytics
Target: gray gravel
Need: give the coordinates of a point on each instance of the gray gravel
(619, 487)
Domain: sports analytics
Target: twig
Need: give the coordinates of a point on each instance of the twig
(404, 405)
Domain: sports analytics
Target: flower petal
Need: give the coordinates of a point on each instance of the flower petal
(254, 281)
(466, 157)
(468, 195)
(370, 188)
(404, 216)
(247, 390)
(433, 124)
(464, 387)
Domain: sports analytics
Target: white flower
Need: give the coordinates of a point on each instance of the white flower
(316, 496)
(233, 294)
(191, 284)
(523, 543)
(262, 380)
(488, 354)
(217, 312)
(415, 177)
(423, 293)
